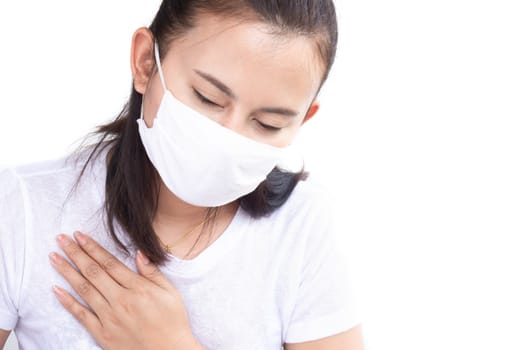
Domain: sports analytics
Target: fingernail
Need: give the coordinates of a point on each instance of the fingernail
(80, 238)
(63, 240)
(55, 258)
(59, 292)
(143, 258)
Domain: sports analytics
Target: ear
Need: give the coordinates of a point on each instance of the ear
(311, 111)
(142, 59)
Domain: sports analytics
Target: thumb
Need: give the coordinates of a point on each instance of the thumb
(151, 271)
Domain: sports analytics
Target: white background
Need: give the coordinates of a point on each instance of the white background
(420, 136)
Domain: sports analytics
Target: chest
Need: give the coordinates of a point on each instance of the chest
(244, 300)
(243, 312)
(239, 305)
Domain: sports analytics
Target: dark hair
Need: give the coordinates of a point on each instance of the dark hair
(132, 183)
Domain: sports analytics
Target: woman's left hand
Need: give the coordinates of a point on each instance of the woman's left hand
(128, 310)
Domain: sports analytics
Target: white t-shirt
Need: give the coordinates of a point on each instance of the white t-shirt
(262, 283)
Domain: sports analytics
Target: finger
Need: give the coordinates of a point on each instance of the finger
(79, 311)
(151, 271)
(90, 269)
(109, 263)
(82, 286)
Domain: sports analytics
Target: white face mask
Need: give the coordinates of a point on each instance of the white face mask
(199, 160)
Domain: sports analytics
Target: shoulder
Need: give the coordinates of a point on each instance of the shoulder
(305, 219)
(13, 199)
(310, 198)
(11, 194)
(50, 178)
(9, 183)
(41, 171)
(22, 184)
(42, 192)
(311, 189)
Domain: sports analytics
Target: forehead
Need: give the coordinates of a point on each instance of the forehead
(249, 55)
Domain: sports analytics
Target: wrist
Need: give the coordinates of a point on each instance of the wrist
(187, 342)
(195, 345)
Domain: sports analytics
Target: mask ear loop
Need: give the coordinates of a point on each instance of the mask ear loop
(161, 75)
(142, 108)
(157, 60)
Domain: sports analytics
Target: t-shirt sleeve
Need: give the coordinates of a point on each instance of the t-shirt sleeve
(325, 304)
(12, 234)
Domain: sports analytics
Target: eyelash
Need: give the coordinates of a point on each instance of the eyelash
(268, 127)
(213, 104)
(205, 100)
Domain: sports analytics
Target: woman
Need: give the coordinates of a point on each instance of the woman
(190, 233)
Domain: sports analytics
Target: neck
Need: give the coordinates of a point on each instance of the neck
(172, 209)
(175, 222)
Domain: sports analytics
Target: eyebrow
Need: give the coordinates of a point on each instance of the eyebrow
(218, 84)
(282, 111)
(226, 90)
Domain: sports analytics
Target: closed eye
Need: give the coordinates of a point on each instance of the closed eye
(205, 100)
(268, 127)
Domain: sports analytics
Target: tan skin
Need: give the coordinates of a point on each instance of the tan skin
(262, 72)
